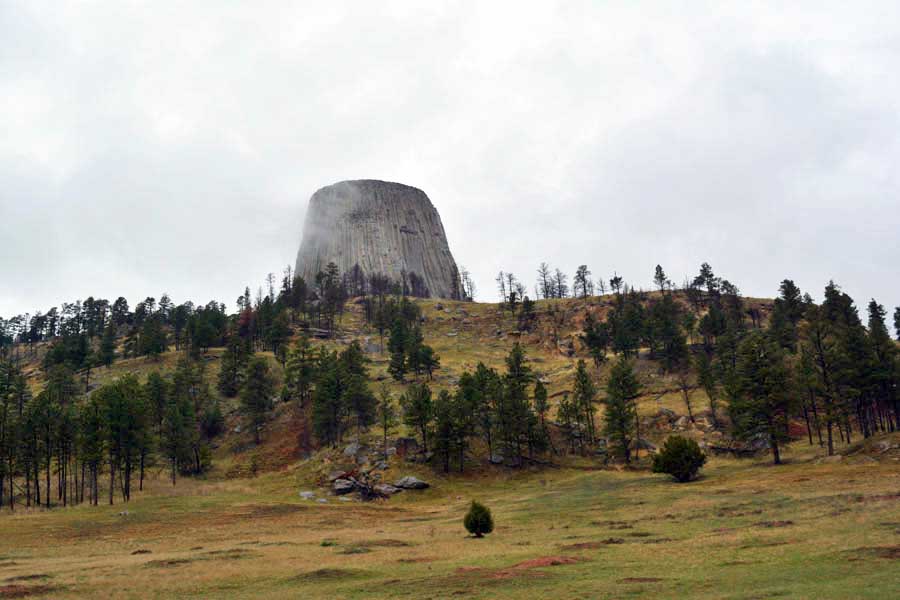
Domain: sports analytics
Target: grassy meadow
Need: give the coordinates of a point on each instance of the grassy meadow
(746, 529)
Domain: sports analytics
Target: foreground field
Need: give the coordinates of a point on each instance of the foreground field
(745, 530)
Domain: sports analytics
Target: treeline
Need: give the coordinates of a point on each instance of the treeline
(817, 363)
(60, 442)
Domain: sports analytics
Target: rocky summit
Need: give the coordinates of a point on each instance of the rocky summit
(378, 227)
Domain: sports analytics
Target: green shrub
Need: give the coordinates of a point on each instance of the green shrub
(478, 520)
(679, 457)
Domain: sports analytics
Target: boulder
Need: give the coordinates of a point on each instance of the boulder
(351, 450)
(387, 489)
(682, 423)
(496, 459)
(410, 483)
(343, 486)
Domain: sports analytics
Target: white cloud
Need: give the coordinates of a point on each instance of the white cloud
(154, 147)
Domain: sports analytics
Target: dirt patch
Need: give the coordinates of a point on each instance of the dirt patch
(329, 575)
(168, 562)
(230, 554)
(886, 552)
(141, 551)
(388, 543)
(583, 546)
(640, 580)
(639, 534)
(878, 497)
(417, 559)
(613, 524)
(33, 577)
(355, 550)
(273, 510)
(662, 540)
(774, 524)
(546, 561)
(23, 591)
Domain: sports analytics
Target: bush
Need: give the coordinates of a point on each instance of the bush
(478, 520)
(679, 457)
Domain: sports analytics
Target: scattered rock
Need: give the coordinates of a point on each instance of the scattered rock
(343, 486)
(411, 483)
(352, 450)
(387, 489)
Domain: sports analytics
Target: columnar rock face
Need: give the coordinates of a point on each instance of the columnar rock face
(386, 228)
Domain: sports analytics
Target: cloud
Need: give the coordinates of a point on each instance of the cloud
(153, 147)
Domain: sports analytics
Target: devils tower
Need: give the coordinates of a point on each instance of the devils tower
(385, 228)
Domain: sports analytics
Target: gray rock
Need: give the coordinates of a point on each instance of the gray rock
(386, 228)
(336, 475)
(391, 451)
(322, 500)
(352, 449)
(387, 489)
(410, 483)
(307, 495)
(343, 486)
(682, 423)
(496, 459)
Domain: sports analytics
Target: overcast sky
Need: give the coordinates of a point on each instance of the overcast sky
(150, 147)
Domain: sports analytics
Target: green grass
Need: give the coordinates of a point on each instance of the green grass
(744, 530)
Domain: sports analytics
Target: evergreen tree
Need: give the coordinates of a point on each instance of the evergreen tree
(387, 415)
(397, 344)
(358, 399)
(328, 398)
(760, 395)
(231, 367)
(428, 360)
(622, 389)
(660, 279)
(156, 391)
(108, 345)
(256, 394)
(596, 338)
(418, 410)
(299, 372)
(478, 521)
(584, 395)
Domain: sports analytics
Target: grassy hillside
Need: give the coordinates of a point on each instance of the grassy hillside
(811, 528)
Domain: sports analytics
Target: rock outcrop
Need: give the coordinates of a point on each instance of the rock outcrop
(383, 228)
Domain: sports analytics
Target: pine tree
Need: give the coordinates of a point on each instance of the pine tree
(660, 279)
(418, 410)
(583, 395)
(387, 415)
(231, 367)
(760, 396)
(621, 412)
(108, 345)
(299, 372)
(156, 391)
(397, 343)
(256, 394)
